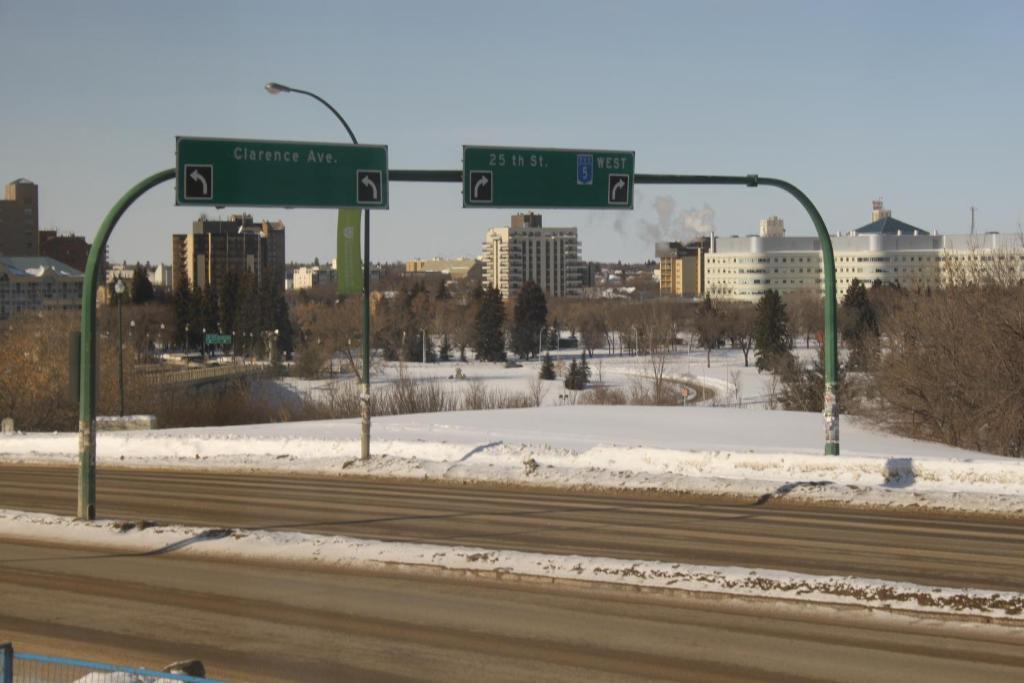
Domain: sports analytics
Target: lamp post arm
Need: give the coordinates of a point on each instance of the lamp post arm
(333, 111)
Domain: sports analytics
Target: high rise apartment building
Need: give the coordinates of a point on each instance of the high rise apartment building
(681, 267)
(215, 247)
(19, 219)
(66, 248)
(525, 251)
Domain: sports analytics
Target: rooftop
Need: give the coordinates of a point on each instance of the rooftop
(36, 266)
(887, 225)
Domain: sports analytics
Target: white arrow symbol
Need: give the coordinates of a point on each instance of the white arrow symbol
(482, 182)
(618, 186)
(370, 184)
(198, 177)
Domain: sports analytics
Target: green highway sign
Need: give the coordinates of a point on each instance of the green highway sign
(217, 339)
(228, 172)
(523, 177)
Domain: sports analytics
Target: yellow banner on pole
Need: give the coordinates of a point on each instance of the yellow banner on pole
(350, 264)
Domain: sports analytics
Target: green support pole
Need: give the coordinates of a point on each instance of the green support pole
(364, 397)
(87, 356)
(831, 412)
(828, 262)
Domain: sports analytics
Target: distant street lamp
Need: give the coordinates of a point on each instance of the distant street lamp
(119, 292)
(204, 344)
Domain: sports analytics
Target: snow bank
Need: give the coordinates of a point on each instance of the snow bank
(344, 552)
(720, 451)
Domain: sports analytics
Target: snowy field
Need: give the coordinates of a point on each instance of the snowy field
(731, 383)
(354, 553)
(752, 454)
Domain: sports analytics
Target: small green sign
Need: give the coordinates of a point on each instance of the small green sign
(228, 172)
(523, 177)
(218, 339)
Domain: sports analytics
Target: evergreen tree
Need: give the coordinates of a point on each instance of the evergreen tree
(442, 292)
(572, 377)
(489, 327)
(858, 323)
(142, 288)
(207, 309)
(182, 308)
(229, 302)
(249, 324)
(584, 369)
(547, 368)
(771, 331)
(445, 352)
(528, 318)
(578, 375)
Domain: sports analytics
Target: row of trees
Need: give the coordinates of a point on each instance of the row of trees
(415, 323)
(249, 306)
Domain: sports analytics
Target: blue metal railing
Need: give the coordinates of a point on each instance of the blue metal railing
(24, 667)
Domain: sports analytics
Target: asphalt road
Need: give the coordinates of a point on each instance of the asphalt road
(906, 547)
(257, 623)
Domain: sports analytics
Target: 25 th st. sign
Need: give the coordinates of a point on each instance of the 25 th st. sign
(230, 172)
(523, 177)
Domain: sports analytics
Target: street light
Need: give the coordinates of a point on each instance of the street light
(119, 291)
(275, 88)
(364, 398)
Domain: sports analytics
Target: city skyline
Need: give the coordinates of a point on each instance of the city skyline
(908, 103)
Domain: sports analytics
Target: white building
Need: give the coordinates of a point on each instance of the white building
(306, 277)
(32, 283)
(526, 251)
(159, 275)
(886, 250)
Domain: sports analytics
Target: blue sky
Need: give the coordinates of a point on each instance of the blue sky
(919, 103)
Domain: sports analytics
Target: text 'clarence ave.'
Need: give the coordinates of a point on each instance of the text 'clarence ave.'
(242, 153)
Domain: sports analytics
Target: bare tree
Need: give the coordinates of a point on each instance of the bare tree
(711, 327)
(538, 389)
(950, 369)
(807, 309)
(658, 332)
(739, 326)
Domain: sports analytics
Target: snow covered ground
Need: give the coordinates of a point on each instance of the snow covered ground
(732, 383)
(754, 454)
(344, 552)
